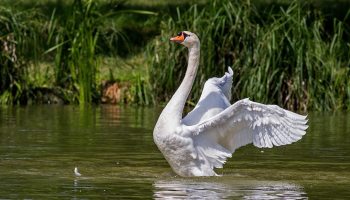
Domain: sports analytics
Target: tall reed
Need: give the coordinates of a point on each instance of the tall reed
(75, 34)
(284, 57)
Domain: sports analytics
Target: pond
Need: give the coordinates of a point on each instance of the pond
(113, 148)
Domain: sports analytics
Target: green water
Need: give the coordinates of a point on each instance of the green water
(114, 151)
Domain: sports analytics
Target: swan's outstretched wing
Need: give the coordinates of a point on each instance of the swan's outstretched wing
(249, 122)
(244, 122)
(214, 99)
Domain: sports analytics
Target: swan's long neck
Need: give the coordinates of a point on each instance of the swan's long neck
(172, 113)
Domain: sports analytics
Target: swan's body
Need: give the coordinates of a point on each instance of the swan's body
(214, 129)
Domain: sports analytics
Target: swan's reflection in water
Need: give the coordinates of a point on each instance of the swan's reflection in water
(223, 189)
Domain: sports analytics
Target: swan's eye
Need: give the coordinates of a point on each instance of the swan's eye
(186, 35)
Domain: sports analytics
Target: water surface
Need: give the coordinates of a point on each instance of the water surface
(113, 148)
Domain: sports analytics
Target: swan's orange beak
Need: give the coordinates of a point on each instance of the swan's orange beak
(178, 39)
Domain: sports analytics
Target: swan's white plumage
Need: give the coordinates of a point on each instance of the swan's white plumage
(214, 99)
(214, 129)
(248, 122)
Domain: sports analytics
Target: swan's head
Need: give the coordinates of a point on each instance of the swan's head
(186, 38)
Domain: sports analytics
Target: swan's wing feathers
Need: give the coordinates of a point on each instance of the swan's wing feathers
(214, 99)
(227, 79)
(248, 122)
(212, 154)
(230, 71)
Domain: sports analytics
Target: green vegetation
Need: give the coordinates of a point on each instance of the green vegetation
(292, 54)
(285, 57)
(58, 47)
(76, 38)
(17, 34)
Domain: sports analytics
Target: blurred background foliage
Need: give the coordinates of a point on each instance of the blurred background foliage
(294, 54)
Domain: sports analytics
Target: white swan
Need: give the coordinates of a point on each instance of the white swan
(214, 129)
